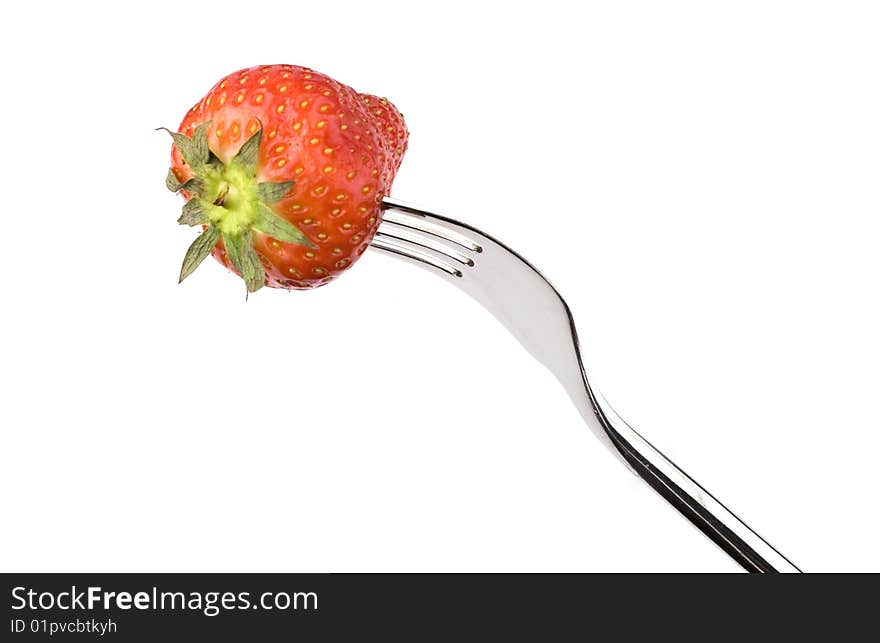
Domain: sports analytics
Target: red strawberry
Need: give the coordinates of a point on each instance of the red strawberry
(392, 129)
(285, 169)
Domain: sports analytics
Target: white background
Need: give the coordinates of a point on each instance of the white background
(700, 180)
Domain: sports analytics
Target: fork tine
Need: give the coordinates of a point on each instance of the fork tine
(413, 253)
(408, 216)
(425, 242)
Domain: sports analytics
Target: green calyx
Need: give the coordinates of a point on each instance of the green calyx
(229, 202)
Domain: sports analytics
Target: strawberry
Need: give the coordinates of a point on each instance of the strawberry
(284, 169)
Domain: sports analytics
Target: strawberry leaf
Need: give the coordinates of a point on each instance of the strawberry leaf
(240, 249)
(197, 252)
(249, 153)
(183, 143)
(201, 153)
(193, 213)
(193, 185)
(193, 150)
(273, 192)
(171, 181)
(270, 223)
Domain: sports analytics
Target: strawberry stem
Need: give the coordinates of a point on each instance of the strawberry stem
(224, 190)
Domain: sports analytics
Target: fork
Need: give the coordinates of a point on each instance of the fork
(529, 307)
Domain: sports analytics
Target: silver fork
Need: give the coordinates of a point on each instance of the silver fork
(526, 303)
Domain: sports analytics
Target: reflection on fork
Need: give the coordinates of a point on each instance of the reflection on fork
(534, 312)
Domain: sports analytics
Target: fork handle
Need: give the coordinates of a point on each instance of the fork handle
(700, 507)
